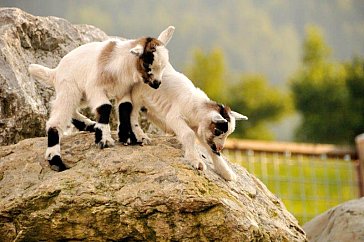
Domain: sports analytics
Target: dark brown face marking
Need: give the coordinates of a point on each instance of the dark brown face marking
(147, 59)
(218, 129)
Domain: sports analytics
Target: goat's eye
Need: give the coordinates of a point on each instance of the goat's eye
(145, 65)
(217, 132)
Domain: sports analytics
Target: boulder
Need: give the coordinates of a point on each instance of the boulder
(344, 223)
(25, 39)
(132, 193)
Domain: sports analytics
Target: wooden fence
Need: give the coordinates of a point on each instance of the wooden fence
(309, 178)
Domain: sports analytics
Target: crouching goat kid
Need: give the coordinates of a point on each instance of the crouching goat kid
(181, 108)
(91, 75)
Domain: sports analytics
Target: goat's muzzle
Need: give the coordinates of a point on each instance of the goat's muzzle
(215, 149)
(155, 84)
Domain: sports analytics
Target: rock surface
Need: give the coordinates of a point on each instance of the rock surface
(26, 39)
(344, 223)
(132, 193)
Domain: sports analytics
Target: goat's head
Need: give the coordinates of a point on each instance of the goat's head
(219, 125)
(153, 57)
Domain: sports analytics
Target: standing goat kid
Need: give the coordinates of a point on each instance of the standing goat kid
(92, 74)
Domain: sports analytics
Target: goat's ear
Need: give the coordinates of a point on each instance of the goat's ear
(238, 116)
(217, 118)
(137, 50)
(166, 35)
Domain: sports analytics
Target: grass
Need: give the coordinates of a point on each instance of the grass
(308, 185)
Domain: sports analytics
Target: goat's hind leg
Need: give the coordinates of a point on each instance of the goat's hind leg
(62, 109)
(82, 123)
(53, 153)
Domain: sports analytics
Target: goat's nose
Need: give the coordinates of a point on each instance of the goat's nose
(155, 84)
(219, 147)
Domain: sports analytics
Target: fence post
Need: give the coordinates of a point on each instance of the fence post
(359, 140)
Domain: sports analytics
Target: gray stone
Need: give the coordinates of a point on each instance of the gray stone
(132, 193)
(26, 39)
(344, 223)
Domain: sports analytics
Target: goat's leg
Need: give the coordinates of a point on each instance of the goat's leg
(82, 123)
(141, 137)
(188, 139)
(102, 127)
(62, 109)
(102, 106)
(53, 153)
(221, 166)
(125, 132)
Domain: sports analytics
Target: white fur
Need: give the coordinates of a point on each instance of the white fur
(75, 80)
(179, 107)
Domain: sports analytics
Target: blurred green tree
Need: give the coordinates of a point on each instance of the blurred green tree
(251, 95)
(208, 72)
(326, 94)
(355, 85)
(261, 102)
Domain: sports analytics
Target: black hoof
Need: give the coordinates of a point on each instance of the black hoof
(57, 164)
(123, 138)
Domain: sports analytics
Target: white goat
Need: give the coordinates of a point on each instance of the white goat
(179, 107)
(92, 74)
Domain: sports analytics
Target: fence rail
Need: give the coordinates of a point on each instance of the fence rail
(309, 178)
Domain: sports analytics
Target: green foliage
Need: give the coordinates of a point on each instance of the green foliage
(208, 73)
(327, 95)
(256, 36)
(355, 85)
(251, 95)
(314, 49)
(261, 102)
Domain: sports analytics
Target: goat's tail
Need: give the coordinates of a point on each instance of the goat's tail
(42, 73)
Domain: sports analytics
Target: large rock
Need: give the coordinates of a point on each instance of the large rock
(132, 193)
(344, 223)
(25, 39)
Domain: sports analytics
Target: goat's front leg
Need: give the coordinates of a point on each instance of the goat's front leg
(141, 137)
(125, 133)
(188, 139)
(99, 103)
(221, 166)
(102, 127)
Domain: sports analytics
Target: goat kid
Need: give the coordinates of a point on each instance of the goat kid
(92, 74)
(181, 108)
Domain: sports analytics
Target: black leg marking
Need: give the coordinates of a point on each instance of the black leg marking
(53, 137)
(125, 131)
(104, 113)
(103, 117)
(57, 164)
(98, 135)
(90, 128)
(81, 126)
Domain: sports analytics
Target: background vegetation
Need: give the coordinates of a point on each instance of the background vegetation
(259, 56)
